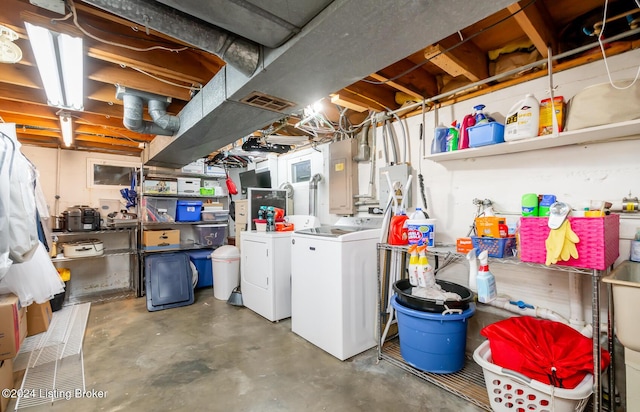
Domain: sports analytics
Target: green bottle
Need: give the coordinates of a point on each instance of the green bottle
(452, 138)
(530, 204)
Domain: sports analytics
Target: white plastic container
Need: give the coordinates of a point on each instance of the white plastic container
(421, 229)
(522, 119)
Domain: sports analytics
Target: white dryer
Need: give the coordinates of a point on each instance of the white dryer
(334, 285)
(265, 269)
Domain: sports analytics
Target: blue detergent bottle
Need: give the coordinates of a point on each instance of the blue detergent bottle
(439, 143)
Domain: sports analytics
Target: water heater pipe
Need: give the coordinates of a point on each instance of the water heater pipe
(313, 194)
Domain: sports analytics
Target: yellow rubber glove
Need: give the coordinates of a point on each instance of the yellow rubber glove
(569, 247)
(554, 243)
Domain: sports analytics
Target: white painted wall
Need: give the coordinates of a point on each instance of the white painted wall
(70, 167)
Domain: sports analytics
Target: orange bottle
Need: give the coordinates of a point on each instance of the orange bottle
(398, 234)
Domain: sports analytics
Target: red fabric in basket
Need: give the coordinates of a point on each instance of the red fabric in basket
(534, 346)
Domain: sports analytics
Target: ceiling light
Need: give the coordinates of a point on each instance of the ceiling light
(59, 60)
(66, 128)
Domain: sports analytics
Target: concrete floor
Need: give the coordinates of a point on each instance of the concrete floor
(212, 356)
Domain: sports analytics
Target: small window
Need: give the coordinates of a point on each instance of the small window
(301, 171)
(108, 173)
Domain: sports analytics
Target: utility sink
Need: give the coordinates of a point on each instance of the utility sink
(625, 281)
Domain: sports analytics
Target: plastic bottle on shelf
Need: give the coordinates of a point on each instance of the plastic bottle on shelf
(485, 282)
(420, 229)
(398, 234)
(452, 138)
(426, 277)
(479, 116)
(522, 119)
(413, 265)
(439, 143)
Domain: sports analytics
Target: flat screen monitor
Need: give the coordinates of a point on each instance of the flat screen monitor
(248, 179)
(264, 179)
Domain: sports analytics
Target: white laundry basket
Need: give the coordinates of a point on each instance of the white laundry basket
(510, 391)
(225, 263)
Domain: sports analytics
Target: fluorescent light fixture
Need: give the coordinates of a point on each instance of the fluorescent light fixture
(66, 128)
(59, 60)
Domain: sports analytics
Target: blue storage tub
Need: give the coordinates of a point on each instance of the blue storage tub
(432, 342)
(188, 210)
(486, 134)
(202, 260)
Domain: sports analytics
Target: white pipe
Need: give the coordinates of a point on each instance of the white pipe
(537, 312)
(576, 312)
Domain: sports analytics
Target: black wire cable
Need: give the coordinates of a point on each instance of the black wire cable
(409, 70)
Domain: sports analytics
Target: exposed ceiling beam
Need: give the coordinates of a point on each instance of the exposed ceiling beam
(106, 140)
(464, 60)
(116, 133)
(129, 78)
(535, 21)
(396, 86)
(383, 97)
(19, 75)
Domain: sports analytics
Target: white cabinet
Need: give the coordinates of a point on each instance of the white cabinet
(265, 270)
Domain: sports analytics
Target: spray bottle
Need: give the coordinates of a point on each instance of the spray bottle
(413, 265)
(486, 281)
(473, 270)
(426, 278)
(452, 137)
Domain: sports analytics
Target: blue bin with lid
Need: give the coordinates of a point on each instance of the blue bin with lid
(202, 261)
(432, 342)
(188, 210)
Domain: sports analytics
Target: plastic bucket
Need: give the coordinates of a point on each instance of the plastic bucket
(422, 230)
(432, 342)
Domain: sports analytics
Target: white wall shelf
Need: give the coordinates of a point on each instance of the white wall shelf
(596, 134)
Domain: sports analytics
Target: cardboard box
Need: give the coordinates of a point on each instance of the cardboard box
(6, 381)
(464, 244)
(490, 226)
(38, 318)
(164, 187)
(161, 239)
(546, 112)
(13, 326)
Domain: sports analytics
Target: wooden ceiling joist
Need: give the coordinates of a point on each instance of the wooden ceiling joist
(127, 77)
(464, 60)
(535, 21)
(107, 132)
(396, 85)
(106, 140)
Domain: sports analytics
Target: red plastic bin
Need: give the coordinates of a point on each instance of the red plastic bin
(598, 247)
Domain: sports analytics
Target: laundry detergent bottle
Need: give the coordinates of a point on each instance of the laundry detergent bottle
(486, 282)
(426, 277)
(522, 119)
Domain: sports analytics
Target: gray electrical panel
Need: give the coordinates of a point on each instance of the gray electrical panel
(343, 177)
(397, 173)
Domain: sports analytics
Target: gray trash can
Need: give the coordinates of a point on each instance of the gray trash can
(225, 262)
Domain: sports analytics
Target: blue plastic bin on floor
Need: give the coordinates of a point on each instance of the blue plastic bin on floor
(432, 342)
(202, 260)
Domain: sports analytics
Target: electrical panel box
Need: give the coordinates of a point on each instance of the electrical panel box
(397, 173)
(343, 177)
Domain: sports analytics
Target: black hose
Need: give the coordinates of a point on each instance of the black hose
(421, 180)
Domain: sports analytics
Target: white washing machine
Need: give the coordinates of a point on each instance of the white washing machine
(265, 269)
(334, 285)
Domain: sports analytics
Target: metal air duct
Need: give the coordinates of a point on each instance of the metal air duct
(163, 123)
(313, 194)
(238, 52)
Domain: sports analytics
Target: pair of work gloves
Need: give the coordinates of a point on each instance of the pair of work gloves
(561, 244)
